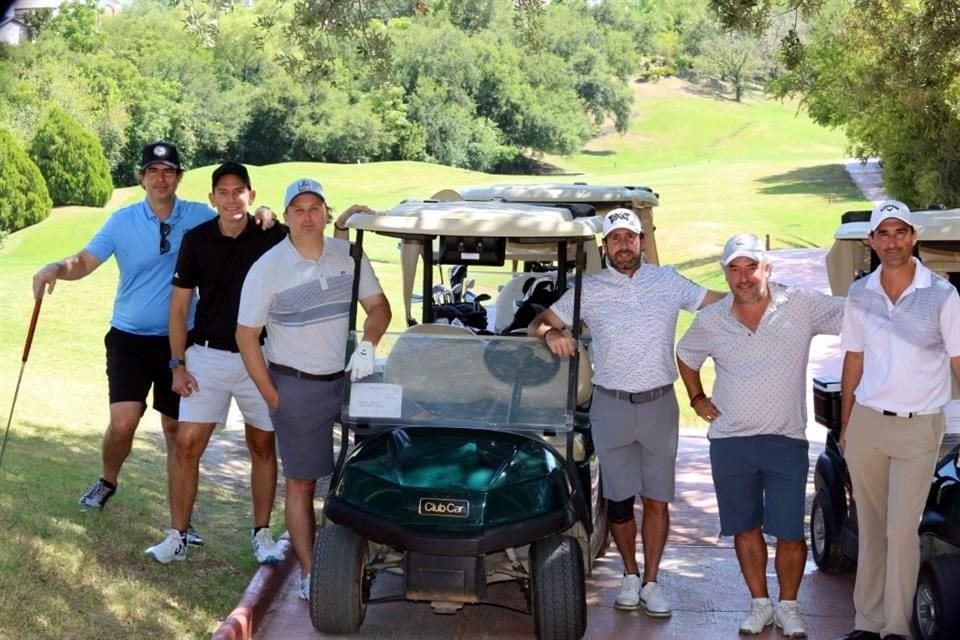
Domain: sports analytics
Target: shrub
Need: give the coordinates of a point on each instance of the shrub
(24, 199)
(71, 160)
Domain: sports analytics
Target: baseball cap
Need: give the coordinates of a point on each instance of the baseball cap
(160, 153)
(743, 245)
(231, 169)
(304, 185)
(621, 218)
(889, 209)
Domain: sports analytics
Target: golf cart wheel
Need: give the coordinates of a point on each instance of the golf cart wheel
(935, 611)
(559, 593)
(825, 535)
(338, 596)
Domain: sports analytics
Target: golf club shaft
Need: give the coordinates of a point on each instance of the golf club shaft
(23, 364)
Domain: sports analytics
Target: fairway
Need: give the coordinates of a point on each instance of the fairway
(720, 168)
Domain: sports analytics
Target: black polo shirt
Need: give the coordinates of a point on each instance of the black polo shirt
(216, 266)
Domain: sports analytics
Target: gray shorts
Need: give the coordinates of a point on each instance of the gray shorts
(636, 444)
(303, 423)
(761, 480)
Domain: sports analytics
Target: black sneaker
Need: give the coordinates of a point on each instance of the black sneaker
(194, 539)
(97, 496)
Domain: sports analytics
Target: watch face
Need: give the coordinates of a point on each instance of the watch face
(174, 363)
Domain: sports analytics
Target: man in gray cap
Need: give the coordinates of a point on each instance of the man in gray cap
(300, 291)
(901, 335)
(631, 308)
(759, 339)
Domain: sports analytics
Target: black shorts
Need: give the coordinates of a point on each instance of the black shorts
(134, 364)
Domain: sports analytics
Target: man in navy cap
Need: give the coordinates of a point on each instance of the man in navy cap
(145, 239)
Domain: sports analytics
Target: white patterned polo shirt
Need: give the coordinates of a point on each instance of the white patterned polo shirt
(633, 322)
(761, 376)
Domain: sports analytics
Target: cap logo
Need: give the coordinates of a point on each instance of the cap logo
(615, 217)
(160, 151)
(889, 207)
(304, 185)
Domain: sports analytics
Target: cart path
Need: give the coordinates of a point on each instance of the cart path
(699, 569)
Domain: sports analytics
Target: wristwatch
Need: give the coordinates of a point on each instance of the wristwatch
(177, 362)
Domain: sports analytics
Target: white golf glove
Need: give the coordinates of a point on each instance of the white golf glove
(361, 362)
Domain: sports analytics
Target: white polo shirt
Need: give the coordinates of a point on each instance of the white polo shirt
(633, 322)
(304, 304)
(906, 346)
(761, 375)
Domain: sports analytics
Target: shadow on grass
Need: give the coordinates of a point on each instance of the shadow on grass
(698, 262)
(829, 181)
(73, 574)
(598, 152)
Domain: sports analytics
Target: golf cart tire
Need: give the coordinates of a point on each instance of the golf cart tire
(558, 590)
(825, 532)
(338, 598)
(935, 612)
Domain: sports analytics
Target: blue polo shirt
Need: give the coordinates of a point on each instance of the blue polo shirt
(132, 236)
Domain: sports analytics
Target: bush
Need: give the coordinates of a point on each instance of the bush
(24, 199)
(71, 160)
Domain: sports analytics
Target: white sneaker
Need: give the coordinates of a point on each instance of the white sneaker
(654, 601)
(172, 548)
(265, 548)
(305, 588)
(629, 597)
(761, 617)
(787, 617)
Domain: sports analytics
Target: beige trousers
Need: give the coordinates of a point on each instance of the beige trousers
(891, 462)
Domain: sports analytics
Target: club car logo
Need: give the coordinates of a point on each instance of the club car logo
(444, 507)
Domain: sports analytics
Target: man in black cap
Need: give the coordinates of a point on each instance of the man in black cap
(213, 261)
(144, 238)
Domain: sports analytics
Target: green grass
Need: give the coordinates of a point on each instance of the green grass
(720, 167)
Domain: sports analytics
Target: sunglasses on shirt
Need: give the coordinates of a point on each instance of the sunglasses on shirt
(164, 232)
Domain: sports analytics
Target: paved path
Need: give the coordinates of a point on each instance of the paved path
(699, 569)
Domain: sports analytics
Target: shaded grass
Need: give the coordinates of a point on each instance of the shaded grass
(720, 167)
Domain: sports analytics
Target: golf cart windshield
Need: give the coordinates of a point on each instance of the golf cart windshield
(453, 378)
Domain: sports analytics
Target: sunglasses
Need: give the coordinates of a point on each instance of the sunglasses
(164, 232)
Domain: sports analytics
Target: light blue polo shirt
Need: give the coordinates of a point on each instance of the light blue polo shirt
(132, 236)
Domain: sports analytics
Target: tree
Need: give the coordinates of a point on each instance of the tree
(730, 57)
(24, 199)
(888, 73)
(71, 161)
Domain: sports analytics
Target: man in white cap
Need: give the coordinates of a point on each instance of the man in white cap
(300, 292)
(759, 338)
(631, 308)
(901, 335)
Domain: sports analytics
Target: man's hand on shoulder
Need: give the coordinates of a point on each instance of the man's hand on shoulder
(264, 217)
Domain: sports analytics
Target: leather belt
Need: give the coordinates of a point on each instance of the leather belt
(296, 373)
(641, 396)
(217, 344)
(899, 415)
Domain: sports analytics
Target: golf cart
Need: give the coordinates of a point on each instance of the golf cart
(466, 457)
(833, 517)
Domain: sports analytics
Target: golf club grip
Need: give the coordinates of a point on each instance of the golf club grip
(33, 327)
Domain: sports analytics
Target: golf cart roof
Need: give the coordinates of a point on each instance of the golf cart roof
(571, 192)
(936, 225)
(414, 218)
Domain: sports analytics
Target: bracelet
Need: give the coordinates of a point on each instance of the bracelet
(338, 227)
(697, 398)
